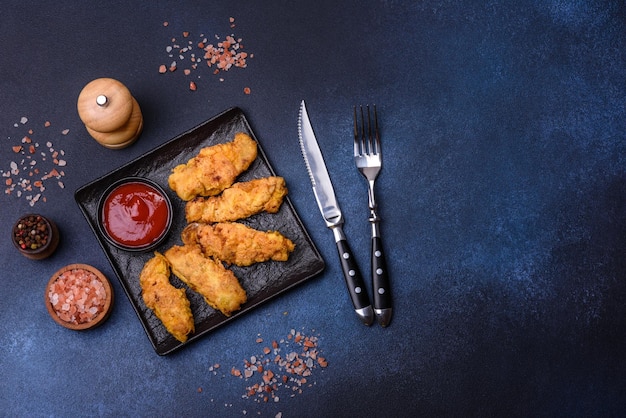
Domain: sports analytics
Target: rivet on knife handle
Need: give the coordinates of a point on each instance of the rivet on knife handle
(354, 280)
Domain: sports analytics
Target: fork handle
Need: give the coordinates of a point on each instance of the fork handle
(380, 283)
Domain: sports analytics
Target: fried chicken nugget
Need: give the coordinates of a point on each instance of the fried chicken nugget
(168, 303)
(238, 244)
(240, 201)
(214, 168)
(218, 285)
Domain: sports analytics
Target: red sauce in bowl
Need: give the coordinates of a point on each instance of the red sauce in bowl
(136, 215)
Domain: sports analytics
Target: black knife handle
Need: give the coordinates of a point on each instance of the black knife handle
(354, 282)
(380, 283)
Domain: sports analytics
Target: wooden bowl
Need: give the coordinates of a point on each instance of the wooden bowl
(82, 312)
(31, 223)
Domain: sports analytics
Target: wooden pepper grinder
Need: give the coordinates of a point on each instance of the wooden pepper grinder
(110, 113)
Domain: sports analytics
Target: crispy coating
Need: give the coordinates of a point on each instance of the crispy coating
(214, 168)
(238, 244)
(240, 201)
(168, 303)
(219, 286)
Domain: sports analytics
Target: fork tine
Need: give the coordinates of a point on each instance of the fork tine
(377, 148)
(363, 135)
(366, 132)
(357, 150)
(370, 141)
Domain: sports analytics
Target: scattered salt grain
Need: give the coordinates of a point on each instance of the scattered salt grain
(26, 175)
(287, 366)
(220, 57)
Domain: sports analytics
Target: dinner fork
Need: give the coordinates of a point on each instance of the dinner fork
(368, 160)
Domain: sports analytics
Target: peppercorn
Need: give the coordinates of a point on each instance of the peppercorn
(31, 233)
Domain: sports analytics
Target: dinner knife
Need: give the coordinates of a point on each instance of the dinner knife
(329, 207)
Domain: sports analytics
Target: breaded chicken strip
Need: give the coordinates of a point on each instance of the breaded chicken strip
(240, 201)
(238, 244)
(214, 168)
(168, 303)
(219, 286)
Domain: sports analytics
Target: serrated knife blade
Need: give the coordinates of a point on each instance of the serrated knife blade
(329, 207)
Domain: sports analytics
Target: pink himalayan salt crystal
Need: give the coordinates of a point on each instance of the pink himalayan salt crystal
(77, 296)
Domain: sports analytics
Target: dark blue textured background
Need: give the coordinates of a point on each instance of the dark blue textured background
(502, 197)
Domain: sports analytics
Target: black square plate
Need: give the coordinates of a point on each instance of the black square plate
(261, 281)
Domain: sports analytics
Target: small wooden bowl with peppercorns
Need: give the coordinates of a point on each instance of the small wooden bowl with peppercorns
(35, 236)
(79, 297)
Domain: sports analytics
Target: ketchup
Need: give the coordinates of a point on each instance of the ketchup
(135, 214)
